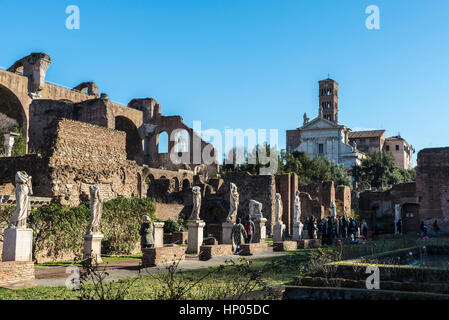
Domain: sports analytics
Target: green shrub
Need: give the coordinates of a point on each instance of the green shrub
(58, 229)
(171, 226)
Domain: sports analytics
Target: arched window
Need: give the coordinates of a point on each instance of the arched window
(163, 142)
(182, 141)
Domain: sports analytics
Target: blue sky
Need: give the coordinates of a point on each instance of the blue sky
(251, 64)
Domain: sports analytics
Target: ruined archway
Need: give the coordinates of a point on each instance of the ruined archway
(12, 113)
(133, 141)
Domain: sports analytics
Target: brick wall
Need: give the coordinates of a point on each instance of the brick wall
(15, 271)
(157, 256)
(432, 186)
(343, 197)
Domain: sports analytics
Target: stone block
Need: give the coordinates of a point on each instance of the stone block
(158, 234)
(209, 251)
(195, 236)
(17, 244)
(297, 231)
(309, 243)
(156, 256)
(92, 247)
(251, 248)
(227, 232)
(278, 232)
(285, 245)
(260, 233)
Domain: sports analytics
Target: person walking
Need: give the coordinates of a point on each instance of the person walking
(345, 224)
(238, 234)
(250, 228)
(423, 229)
(146, 233)
(330, 230)
(364, 229)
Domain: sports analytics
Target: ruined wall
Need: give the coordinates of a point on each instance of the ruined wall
(343, 197)
(215, 206)
(82, 154)
(378, 207)
(432, 186)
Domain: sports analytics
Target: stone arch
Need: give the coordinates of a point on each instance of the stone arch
(162, 142)
(175, 183)
(186, 184)
(12, 108)
(181, 140)
(133, 141)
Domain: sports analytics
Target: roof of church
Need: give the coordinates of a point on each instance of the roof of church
(366, 134)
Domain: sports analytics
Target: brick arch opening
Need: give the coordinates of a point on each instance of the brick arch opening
(11, 110)
(133, 141)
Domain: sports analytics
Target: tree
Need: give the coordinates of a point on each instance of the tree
(251, 161)
(379, 169)
(313, 170)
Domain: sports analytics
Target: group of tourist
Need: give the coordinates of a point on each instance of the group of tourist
(328, 229)
(242, 233)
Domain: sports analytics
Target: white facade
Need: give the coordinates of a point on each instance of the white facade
(321, 137)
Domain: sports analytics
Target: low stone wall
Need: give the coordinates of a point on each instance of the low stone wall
(285, 245)
(316, 293)
(156, 256)
(250, 248)
(15, 271)
(209, 251)
(309, 243)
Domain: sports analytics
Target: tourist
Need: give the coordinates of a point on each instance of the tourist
(330, 230)
(146, 233)
(250, 227)
(335, 227)
(312, 228)
(435, 226)
(306, 224)
(238, 235)
(352, 229)
(344, 227)
(399, 226)
(364, 229)
(423, 229)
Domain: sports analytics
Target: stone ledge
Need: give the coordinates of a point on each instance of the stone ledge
(250, 248)
(155, 256)
(209, 251)
(285, 245)
(16, 271)
(309, 243)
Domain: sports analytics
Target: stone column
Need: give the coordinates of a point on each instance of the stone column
(226, 232)
(92, 247)
(261, 230)
(158, 234)
(195, 238)
(17, 244)
(397, 216)
(278, 232)
(297, 231)
(8, 142)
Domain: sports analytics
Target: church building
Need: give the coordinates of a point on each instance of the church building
(324, 136)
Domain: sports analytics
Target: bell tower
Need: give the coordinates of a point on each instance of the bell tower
(328, 100)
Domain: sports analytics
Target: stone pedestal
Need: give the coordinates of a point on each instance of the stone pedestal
(158, 234)
(261, 230)
(92, 247)
(278, 232)
(226, 231)
(195, 238)
(297, 231)
(17, 244)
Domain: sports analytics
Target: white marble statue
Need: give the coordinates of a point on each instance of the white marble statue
(23, 191)
(297, 213)
(333, 210)
(96, 210)
(234, 203)
(278, 208)
(255, 210)
(196, 191)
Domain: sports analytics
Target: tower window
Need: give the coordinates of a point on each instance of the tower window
(397, 147)
(320, 148)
